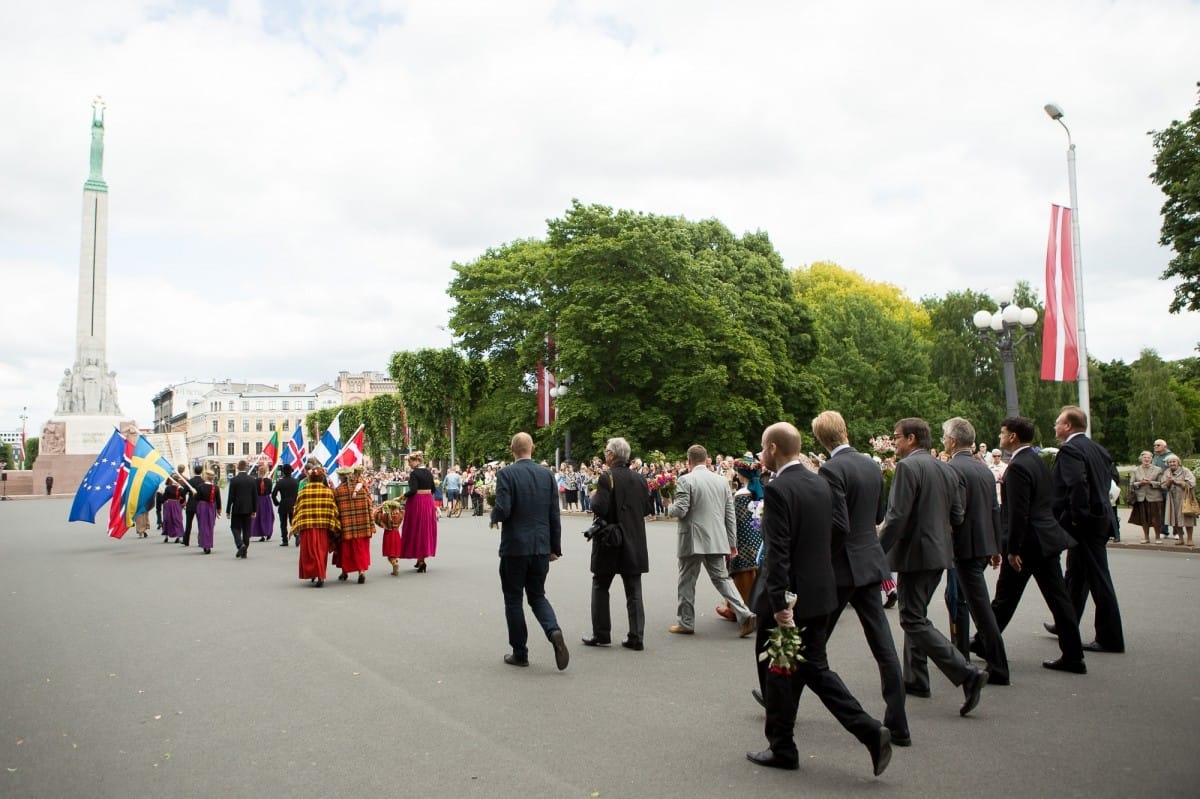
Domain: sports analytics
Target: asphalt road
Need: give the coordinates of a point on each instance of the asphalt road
(134, 668)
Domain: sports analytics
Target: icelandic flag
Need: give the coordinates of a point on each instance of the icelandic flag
(116, 511)
(294, 453)
(147, 470)
(97, 485)
(330, 444)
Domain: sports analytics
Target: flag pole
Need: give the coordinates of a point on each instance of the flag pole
(1085, 399)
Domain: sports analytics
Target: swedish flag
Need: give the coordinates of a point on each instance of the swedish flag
(147, 470)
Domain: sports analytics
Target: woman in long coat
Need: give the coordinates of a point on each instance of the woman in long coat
(316, 519)
(620, 496)
(418, 538)
(1176, 482)
(1147, 498)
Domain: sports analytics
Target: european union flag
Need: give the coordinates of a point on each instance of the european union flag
(97, 485)
(147, 470)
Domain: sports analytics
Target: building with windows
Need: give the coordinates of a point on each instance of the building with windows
(356, 387)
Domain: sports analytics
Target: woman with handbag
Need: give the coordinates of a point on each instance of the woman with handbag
(1145, 497)
(1182, 508)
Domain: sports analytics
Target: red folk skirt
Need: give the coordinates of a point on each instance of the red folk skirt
(391, 543)
(356, 554)
(314, 553)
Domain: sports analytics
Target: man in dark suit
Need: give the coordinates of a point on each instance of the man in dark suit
(284, 497)
(924, 502)
(1083, 473)
(241, 507)
(859, 564)
(976, 542)
(526, 508)
(796, 587)
(196, 481)
(1035, 541)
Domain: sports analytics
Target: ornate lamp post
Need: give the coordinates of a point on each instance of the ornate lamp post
(1006, 328)
(558, 391)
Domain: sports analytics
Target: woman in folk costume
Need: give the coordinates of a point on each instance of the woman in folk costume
(419, 536)
(172, 512)
(208, 509)
(353, 499)
(315, 517)
(262, 525)
(389, 516)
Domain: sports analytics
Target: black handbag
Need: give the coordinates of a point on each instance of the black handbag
(607, 534)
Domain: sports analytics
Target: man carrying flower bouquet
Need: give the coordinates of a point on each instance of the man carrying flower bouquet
(793, 597)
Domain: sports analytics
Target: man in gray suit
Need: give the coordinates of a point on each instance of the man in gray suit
(976, 542)
(923, 503)
(707, 534)
(526, 507)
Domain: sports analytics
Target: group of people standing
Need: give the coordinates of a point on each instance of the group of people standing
(1159, 489)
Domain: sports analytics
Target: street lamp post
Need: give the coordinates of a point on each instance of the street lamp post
(558, 391)
(1006, 328)
(1085, 400)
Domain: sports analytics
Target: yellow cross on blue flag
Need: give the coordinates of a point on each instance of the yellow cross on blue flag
(147, 469)
(97, 485)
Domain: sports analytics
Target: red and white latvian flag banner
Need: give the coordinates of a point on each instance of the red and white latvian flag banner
(1060, 342)
(545, 382)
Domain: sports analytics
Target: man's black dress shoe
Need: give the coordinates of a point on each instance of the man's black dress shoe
(977, 648)
(635, 645)
(1095, 646)
(758, 697)
(881, 750)
(1075, 667)
(1050, 628)
(913, 690)
(900, 738)
(592, 640)
(513, 660)
(890, 602)
(972, 689)
(767, 758)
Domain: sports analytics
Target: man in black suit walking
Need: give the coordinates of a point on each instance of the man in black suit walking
(196, 481)
(924, 502)
(1035, 541)
(241, 507)
(976, 542)
(284, 497)
(1083, 473)
(797, 527)
(526, 508)
(859, 564)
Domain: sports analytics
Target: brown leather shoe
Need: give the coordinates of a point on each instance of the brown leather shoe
(679, 630)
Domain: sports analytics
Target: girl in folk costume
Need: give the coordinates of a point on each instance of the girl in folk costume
(389, 516)
(316, 519)
(263, 523)
(419, 536)
(353, 499)
(172, 525)
(208, 510)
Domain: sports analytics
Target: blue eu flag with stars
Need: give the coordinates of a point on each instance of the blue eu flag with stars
(97, 485)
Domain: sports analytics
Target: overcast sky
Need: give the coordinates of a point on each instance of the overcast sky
(290, 182)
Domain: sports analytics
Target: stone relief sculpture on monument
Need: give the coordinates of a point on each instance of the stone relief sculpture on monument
(53, 440)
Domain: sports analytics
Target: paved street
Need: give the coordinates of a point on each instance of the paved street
(134, 668)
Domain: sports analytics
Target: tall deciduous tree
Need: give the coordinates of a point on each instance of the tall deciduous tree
(1177, 173)
(1154, 412)
(435, 385)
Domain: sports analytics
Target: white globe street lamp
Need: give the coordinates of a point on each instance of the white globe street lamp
(1006, 328)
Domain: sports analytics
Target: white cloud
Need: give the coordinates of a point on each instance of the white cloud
(339, 158)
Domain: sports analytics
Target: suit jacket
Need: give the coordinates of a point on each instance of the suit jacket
(704, 506)
(978, 534)
(1027, 490)
(1083, 473)
(797, 530)
(923, 504)
(526, 508)
(856, 482)
(622, 496)
(195, 482)
(243, 495)
(284, 495)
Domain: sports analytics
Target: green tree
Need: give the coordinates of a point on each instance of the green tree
(32, 447)
(1154, 411)
(1177, 173)
(1111, 387)
(875, 350)
(385, 419)
(436, 387)
(6, 456)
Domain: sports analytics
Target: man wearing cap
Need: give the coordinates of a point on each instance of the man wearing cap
(1159, 459)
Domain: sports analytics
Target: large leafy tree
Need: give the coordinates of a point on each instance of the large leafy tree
(1154, 411)
(667, 331)
(1177, 173)
(437, 388)
(875, 350)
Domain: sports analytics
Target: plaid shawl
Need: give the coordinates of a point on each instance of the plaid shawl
(388, 519)
(354, 509)
(316, 510)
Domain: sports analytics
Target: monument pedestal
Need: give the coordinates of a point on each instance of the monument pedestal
(69, 446)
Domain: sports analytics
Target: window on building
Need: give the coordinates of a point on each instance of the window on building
(229, 426)
(258, 425)
(283, 405)
(228, 449)
(285, 425)
(271, 426)
(245, 447)
(230, 405)
(245, 425)
(312, 405)
(214, 425)
(271, 405)
(299, 422)
(245, 405)
(258, 405)
(212, 448)
(257, 447)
